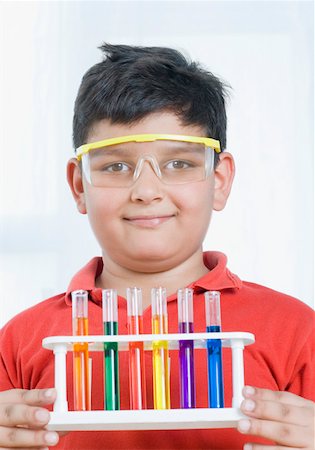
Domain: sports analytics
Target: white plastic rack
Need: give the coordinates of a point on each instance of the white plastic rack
(148, 419)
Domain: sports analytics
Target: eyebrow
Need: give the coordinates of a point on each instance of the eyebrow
(109, 151)
(173, 147)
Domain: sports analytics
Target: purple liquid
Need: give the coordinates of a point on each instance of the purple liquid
(186, 365)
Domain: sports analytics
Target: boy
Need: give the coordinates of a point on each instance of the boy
(149, 204)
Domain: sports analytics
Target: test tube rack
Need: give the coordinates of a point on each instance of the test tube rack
(149, 419)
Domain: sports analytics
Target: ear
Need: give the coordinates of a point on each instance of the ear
(75, 181)
(223, 179)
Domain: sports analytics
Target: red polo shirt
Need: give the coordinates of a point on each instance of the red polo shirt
(282, 357)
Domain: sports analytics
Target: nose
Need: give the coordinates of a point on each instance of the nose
(147, 187)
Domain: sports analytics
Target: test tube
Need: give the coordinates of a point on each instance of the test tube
(186, 348)
(214, 349)
(136, 353)
(111, 373)
(81, 370)
(161, 379)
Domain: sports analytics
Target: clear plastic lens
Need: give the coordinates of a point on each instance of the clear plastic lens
(172, 162)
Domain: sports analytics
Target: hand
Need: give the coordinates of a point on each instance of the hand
(282, 417)
(23, 419)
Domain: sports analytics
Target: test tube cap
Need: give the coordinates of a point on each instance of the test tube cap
(79, 304)
(109, 305)
(134, 301)
(185, 305)
(213, 310)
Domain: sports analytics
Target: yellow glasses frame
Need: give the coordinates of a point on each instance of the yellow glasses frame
(208, 142)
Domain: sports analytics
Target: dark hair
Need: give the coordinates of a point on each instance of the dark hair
(132, 82)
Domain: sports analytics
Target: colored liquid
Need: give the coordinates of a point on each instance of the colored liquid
(136, 366)
(81, 373)
(111, 368)
(161, 379)
(186, 364)
(215, 377)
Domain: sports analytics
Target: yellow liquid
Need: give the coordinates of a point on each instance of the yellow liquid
(161, 374)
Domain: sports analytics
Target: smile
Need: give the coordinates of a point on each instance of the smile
(148, 221)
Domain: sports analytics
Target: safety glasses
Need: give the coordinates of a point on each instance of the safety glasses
(175, 159)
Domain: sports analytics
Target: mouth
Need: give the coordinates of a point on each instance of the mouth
(148, 221)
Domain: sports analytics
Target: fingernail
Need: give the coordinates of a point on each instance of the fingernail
(249, 390)
(51, 438)
(42, 415)
(248, 447)
(49, 393)
(249, 405)
(244, 425)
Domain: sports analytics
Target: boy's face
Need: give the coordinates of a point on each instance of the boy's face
(150, 226)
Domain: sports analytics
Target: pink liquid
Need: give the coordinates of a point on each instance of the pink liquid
(137, 389)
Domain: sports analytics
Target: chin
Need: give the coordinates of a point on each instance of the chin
(152, 262)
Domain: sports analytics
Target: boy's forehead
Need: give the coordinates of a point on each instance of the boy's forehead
(154, 123)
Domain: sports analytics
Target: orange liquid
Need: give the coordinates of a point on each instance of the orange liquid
(81, 372)
(137, 389)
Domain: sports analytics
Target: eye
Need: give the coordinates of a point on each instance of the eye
(117, 167)
(178, 164)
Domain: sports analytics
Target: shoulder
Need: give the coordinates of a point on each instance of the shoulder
(269, 314)
(39, 307)
(278, 320)
(265, 298)
(36, 317)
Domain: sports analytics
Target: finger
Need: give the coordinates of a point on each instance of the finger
(276, 396)
(28, 448)
(281, 433)
(276, 411)
(21, 437)
(30, 397)
(251, 446)
(13, 414)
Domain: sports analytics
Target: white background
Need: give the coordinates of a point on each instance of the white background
(263, 49)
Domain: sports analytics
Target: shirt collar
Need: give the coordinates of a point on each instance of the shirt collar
(85, 278)
(217, 279)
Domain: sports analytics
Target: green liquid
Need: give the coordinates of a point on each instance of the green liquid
(112, 401)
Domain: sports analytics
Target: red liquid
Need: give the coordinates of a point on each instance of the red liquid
(138, 398)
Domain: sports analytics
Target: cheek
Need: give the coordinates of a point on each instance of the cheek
(199, 205)
(196, 199)
(99, 199)
(103, 207)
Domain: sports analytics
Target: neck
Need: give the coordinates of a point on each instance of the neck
(117, 277)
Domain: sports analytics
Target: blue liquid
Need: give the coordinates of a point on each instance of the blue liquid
(186, 364)
(215, 377)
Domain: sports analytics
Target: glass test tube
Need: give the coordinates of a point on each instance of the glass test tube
(214, 349)
(136, 353)
(111, 373)
(81, 370)
(161, 376)
(186, 349)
